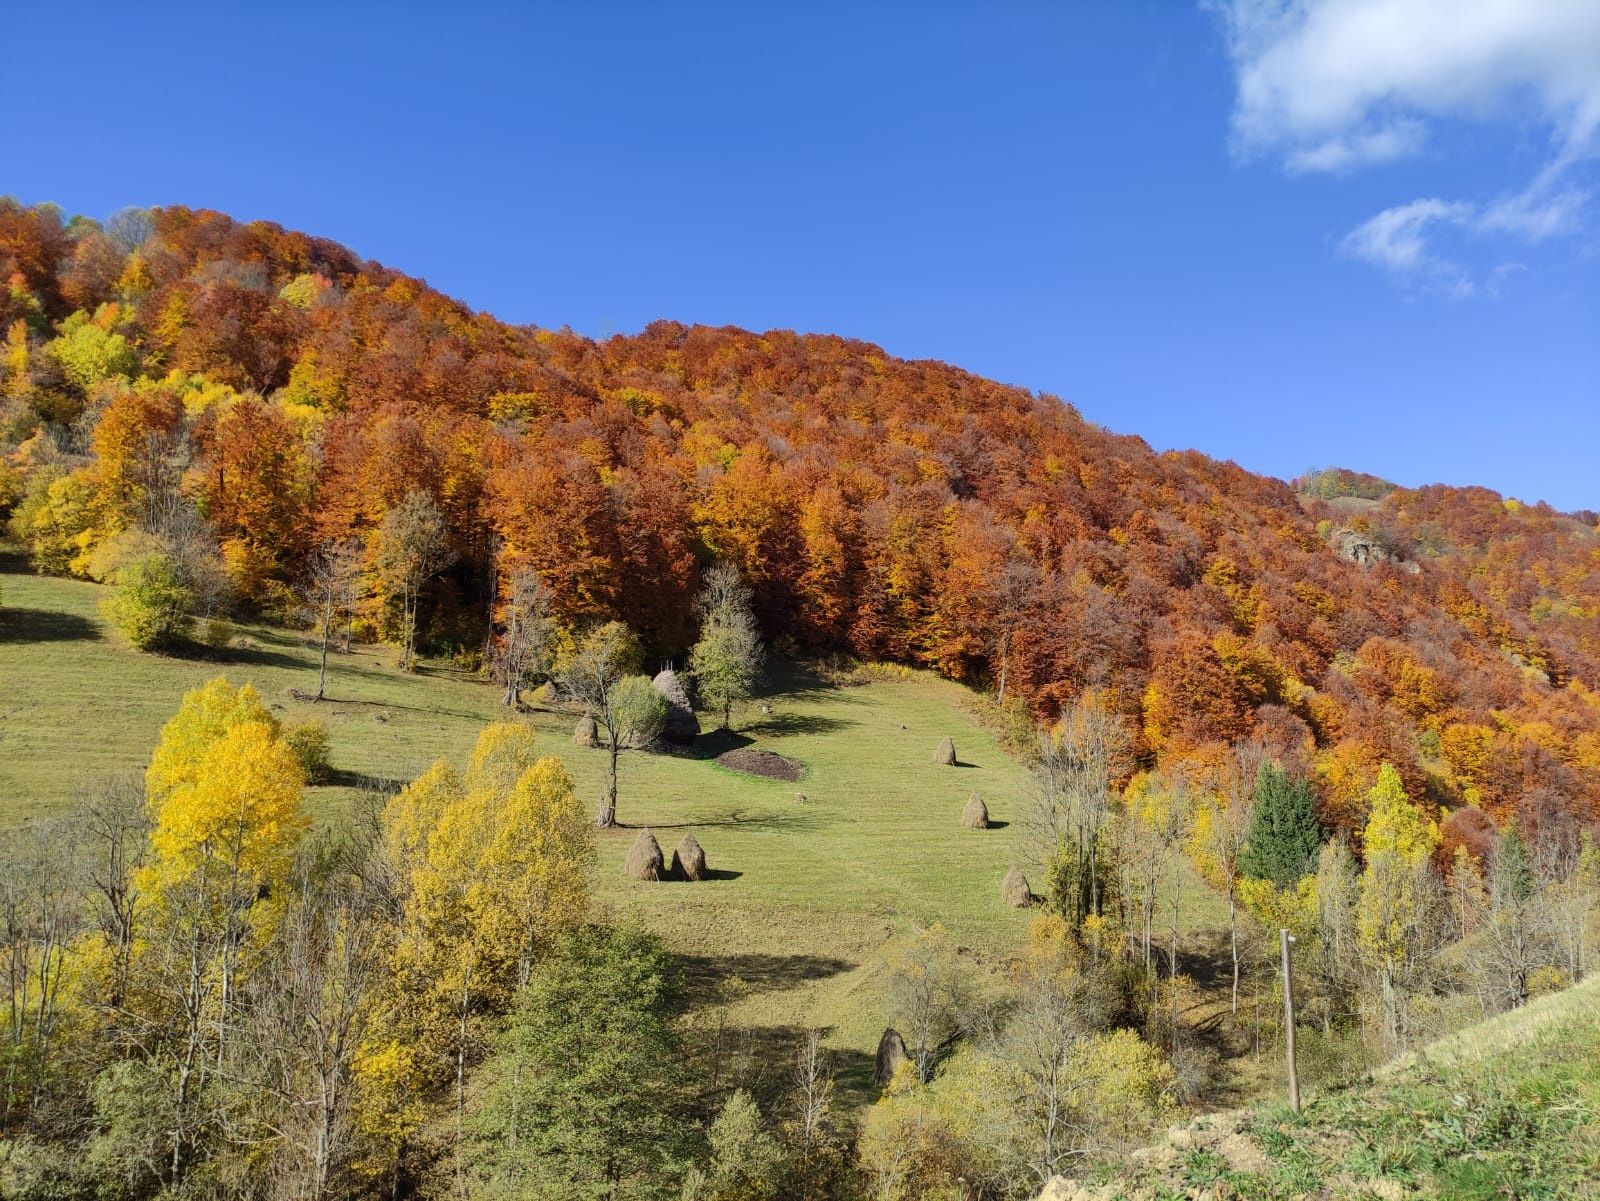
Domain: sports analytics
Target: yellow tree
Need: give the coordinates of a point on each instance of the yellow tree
(489, 872)
(224, 795)
(1398, 902)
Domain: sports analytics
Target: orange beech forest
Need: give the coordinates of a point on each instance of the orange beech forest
(295, 395)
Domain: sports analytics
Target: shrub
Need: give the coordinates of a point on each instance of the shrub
(217, 633)
(309, 741)
(149, 604)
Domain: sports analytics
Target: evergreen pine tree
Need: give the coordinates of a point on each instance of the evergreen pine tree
(1283, 836)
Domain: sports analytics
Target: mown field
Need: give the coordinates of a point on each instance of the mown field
(808, 896)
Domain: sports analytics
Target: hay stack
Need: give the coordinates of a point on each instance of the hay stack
(891, 1054)
(945, 756)
(681, 725)
(1015, 890)
(688, 861)
(644, 858)
(586, 733)
(976, 815)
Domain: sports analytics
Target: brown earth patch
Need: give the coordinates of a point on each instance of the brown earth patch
(768, 764)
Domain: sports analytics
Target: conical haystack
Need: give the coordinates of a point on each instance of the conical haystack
(689, 861)
(644, 858)
(891, 1054)
(587, 732)
(1015, 890)
(682, 725)
(945, 756)
(976, 815)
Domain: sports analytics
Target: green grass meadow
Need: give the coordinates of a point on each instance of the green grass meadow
(807, 895)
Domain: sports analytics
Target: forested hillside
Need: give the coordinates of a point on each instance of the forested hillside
(324, 950)
(177, 364)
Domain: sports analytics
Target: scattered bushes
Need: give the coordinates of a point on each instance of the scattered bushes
(149, 604)
(309, 741)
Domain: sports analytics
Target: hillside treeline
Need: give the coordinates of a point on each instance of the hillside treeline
(264, 395)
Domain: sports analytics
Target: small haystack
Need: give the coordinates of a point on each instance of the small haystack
(945, 756)
(976, 815)
(891, 1054)
(587, 733)
(688, 861)
(681, 726)
(1015, 890)
(644, 858)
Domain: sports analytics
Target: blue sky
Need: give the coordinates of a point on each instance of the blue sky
(1342, 231)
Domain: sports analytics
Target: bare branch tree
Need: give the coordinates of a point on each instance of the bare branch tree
(523, 650)
(335, 566)
(413, 547)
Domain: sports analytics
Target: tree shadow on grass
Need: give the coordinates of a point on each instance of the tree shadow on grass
(762, 1060)
(798, 682)
(250, 655)
(782, 724)
(380, 705)
(795, 820)
(713, 977)
(339, 777)
(45, 625)
(709, 745)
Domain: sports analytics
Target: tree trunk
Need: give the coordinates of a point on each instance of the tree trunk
(608, 813)
(461, 1085)
(1233, 938)
(327, 632)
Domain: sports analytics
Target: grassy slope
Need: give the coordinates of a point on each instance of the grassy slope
(1507, 1108)
(791, 933)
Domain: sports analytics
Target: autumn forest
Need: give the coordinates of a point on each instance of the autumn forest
(225, 421)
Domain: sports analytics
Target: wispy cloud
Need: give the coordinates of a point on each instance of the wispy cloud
(1332, 86)
(1397, 241)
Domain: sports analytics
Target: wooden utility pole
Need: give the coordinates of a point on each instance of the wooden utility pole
(1285, 938)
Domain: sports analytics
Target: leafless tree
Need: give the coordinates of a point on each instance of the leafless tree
(40, 916)
(1077, 765)
(812, 1101)
(413, 547)
(1338, 961)
(306, 1020)
(327, 592)
(116, 826)
(523, 650)
(929, 988)
(1226, 832)
(1059, 1009)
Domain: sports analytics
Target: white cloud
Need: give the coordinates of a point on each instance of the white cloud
(1396, 240)
(1349, 80)
(1396, 140)
(1334, 85)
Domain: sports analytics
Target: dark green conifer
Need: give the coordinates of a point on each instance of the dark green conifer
(1283, 836)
